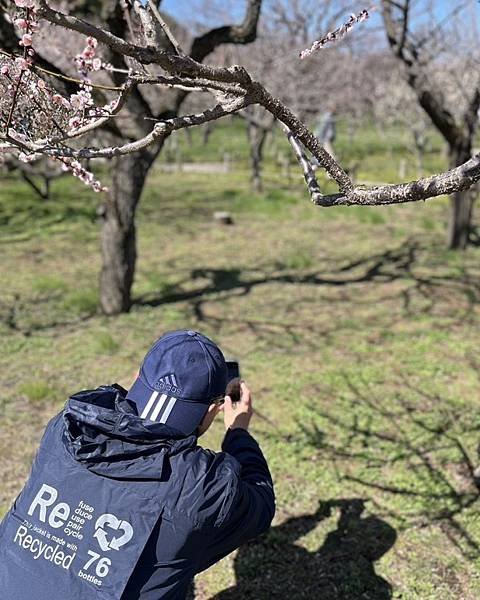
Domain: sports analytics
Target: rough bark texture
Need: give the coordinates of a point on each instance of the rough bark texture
(118, 238)
(462, 205)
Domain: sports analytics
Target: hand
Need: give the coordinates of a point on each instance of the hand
(238, 415)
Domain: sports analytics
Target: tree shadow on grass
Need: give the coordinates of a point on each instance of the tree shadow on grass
(204, 285)
(418, 438)
(275, 566)
(428, 284)
(384, 267)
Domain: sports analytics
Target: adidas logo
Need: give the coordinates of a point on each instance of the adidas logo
(168, 383)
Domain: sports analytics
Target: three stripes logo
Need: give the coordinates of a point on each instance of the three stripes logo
(158, 407)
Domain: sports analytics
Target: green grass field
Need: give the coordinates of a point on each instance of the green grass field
(356, 330)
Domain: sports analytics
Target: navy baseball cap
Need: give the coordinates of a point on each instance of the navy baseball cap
(181, 375)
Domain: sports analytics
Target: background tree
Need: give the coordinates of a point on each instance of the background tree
(427, 49)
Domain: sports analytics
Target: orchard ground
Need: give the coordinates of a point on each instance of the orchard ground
(356, 330)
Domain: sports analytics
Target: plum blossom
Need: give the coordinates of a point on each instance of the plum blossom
(22, 63)
(74, 122)
(87, 61)
(21, 23)
(26, 40)
(88, 178)
(27, 158)
(337, 34)
(25, 3)
(81, 100)
(60, 101)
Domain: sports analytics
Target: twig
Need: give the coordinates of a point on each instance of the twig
(166, 28)
(161, 129)
(336, 34)
(66, 78)
(308, 172)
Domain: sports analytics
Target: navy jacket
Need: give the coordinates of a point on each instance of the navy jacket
(117, 507)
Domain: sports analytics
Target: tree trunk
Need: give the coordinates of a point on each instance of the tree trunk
(256, 139)
(461, 207)
(118, 238)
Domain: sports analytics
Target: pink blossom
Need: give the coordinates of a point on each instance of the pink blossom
(25, 3)
(92, 42)
(4, 70)
(22, 64)
(88, 53)
(26, 158)
(74, 166)
(337, 34)
(81, 100)
(74, 122)
(96, 64)
(26, 39)
(21, 23)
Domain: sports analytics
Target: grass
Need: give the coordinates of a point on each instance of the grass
(35, 391)
(355, 328)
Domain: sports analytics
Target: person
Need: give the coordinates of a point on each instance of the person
(121, 502)
(326, 131)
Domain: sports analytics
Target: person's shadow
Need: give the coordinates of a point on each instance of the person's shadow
(273, 566)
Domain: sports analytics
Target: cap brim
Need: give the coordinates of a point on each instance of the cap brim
(180, 414)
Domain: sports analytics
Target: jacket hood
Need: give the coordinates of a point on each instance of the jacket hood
(104, 431)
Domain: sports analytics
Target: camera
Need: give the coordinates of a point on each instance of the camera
(233, 385)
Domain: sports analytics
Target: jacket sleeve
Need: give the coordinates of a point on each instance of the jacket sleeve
(250, 504)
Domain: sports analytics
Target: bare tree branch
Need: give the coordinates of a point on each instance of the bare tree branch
(236, 90)
(307, 168)
(228, 34)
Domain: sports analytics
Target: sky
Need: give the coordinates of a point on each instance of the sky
(184, 10)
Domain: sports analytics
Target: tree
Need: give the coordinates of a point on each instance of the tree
(419, 52)
(130, 171)
(140, 62)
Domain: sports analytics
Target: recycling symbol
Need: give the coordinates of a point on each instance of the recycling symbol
(105, 525)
